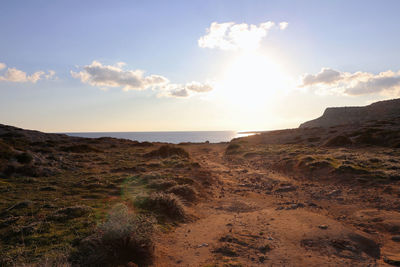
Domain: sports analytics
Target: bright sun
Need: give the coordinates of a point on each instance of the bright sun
(251, 81)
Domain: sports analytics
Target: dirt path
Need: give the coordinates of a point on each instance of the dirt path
(261, 218)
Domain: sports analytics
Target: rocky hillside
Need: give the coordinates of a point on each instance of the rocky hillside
(382, 110)
(380, 133)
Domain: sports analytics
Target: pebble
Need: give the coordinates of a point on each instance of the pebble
(323, 226)
(203, 245)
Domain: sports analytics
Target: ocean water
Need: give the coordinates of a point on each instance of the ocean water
(168, 137)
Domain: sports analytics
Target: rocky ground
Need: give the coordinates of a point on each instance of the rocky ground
(258, 216)
(257, 201)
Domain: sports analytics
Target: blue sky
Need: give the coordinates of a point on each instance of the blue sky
(161, 38)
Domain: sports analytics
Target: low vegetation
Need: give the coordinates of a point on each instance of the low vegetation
(184, 191)
(340, 152)
(163, 204)
(59, 195)
(166, 151)
(122, 238)
(99, 202)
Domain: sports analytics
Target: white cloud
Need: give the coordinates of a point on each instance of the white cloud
(198, 87)
(106, 76)
(232, 36)
(19, 76)
(283, 25)
(325, 76)
(329, 81)
(179, 93)
(184, 90)
(97, 74)
(385, 82)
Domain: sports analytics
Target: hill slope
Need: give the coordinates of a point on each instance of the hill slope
(381, 110)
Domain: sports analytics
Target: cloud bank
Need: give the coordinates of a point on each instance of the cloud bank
(106, 76)
(232, 36)
(19, 76)
(358, 83)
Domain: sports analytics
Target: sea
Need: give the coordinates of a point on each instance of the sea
(169, 137)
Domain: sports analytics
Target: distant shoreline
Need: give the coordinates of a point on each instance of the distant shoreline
(174, 137)
(252, 132)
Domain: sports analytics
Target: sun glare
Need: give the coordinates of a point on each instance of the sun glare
(251, 81)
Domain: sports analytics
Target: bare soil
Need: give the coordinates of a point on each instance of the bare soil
(260, 217)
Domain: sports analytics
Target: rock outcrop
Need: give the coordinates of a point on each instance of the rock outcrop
(382, 110)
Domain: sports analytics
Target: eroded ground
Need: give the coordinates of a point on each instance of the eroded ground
(261, 217)
(245, 203)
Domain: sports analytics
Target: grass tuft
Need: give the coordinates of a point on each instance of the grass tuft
(162, 184)
(166, 151)
(184, 191)
(122, 238)
(168, 205)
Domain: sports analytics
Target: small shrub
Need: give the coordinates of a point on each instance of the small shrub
(72, 212)
(24, 158)
(141, 144)
(24, 170)
(148, 177)
(122, 238)
(6, 151)
(184, 191)
(320, 164)
(168, 205)
(166, 151)
(80, 149)
(367, 139)
(313, 139)
(162, 184)
(9, 170)
(232, 148)
(339, 140)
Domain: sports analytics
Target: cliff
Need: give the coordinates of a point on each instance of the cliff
(381, 110)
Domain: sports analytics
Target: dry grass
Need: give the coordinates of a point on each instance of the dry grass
(232, 148)
(351, 164)
(339, 141)
(162, 184)
(51, 203)
(184, 191)
(167, 205)
(166, 151)
(122, 238)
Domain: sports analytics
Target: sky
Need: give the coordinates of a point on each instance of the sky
(86, 66)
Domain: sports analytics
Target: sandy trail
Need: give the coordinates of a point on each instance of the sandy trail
(244, 223)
